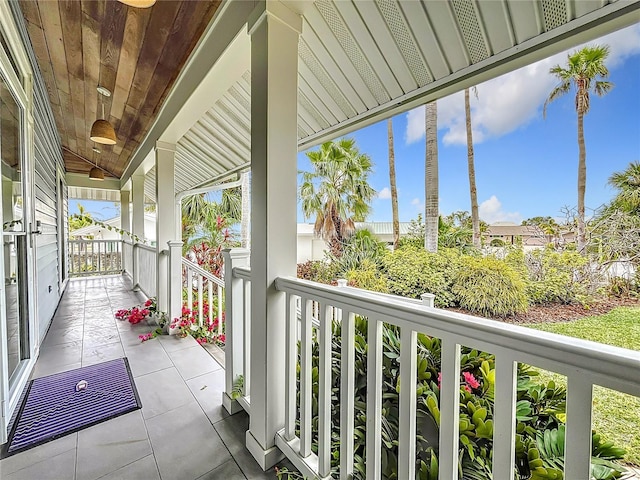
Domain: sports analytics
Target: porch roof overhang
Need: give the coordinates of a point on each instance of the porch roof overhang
(359, 63)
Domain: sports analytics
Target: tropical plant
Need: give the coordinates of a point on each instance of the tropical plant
(473, 190)
(394, 188)
(361, 246)
(583, 71)
(79, 220)
(431, 233)
(627, 183)
(489, 287)
(336, 191)
(245, 189)
(540, 409)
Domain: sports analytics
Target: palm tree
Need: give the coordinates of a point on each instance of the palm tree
(431, 178)
(627, 183)
(582, 70)
(394, 188)
(336, 191)
(475, 219)
(246, 209)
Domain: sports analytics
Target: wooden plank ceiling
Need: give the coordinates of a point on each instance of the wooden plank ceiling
(135, 53)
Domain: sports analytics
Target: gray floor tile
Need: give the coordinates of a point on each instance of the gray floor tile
(162, 391)
(143, 469)
(193, 361)
(55, 468)
(108, 446)
(43, 369)
(232, 431)
(37, 454)
(172, 343)
(146, 358)
(226, 471)
(178, 438)
(208, 390)
(62, 354)
(99, 336)
(59, 336)
(101, 353)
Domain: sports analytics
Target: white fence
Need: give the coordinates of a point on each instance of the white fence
(127, 257)
(584, 363)
(145, 267)
(209, 293)
(94, 257)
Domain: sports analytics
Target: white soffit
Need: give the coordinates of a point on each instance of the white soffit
(363, 61)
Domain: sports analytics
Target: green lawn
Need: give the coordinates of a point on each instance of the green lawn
(616, 415)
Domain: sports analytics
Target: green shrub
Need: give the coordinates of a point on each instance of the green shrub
(318, 271)
(360, 247)
(559, 277)
(540, 410)
(488, 286)
(368, 277)
(412, 271)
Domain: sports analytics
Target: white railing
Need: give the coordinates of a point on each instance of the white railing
(145, 266)
(127, 257)
(584, 363)
(209, 292)
(95, 257)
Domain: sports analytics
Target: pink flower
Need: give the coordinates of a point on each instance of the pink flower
(222, 338)
(470, 380)
(148, 303)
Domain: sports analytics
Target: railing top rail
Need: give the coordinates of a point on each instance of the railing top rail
(609, 366)
(242, 272)
(115, 240)
(201, 271)
(145, 247)
(127, 242)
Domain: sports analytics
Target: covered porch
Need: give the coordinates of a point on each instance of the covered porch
(182, 431)
(266, 80)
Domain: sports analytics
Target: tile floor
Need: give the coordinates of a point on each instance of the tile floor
(182, 432)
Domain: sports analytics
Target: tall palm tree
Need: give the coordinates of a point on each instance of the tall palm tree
(475, 218)
(336, 191)
(431, 178)
(394, 188)
(583, 69)
(627, 183)
(246, 209)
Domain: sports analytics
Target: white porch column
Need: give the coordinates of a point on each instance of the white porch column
(137, 198)
(125, 224)
(175, 279)
(165, 215)
(137, 221)
(125, 213)
(274, 31)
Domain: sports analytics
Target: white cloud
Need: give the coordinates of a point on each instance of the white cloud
(416, 202)
(511, 100)
(491, 211)
(384, 194)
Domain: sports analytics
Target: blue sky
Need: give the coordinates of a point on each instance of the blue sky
(525, 165)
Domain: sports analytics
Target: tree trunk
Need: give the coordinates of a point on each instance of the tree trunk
(394, 189)
(582, 185)
(475, 219)
(246, 210)
(431, 178)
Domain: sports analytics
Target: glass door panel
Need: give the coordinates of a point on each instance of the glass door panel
(14, 234)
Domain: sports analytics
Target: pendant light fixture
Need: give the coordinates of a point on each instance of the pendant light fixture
(101, 130)
(139, 3)
(96, 173)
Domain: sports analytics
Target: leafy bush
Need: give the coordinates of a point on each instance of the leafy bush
(367, 277)
(488, 286)
(412, 271)
(559, 277)
(318, 271)
(540, 411)
(360, 247)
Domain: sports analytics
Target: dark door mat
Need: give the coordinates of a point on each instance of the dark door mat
(66, 402)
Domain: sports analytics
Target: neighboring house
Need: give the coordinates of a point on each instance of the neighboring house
(100, 232)
(532, 237)
(312, 247)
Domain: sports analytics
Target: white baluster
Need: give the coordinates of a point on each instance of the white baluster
(449, 410)
(374, 398)
(407, 400)
(291, 360)
(324, 391)
(577, 456)
(504, 417)
(347, 386)
(305, 379)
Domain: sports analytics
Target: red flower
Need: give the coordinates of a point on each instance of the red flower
(148, 303)
(470, 380)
